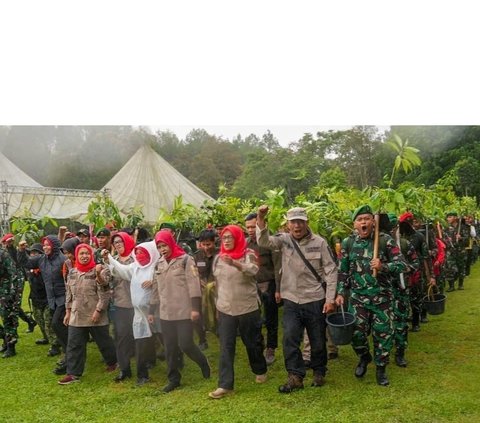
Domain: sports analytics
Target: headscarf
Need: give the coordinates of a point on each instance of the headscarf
(128, 243)
(240, 243)
(167, 238)
(84, 267)
(150, 248)
(54, 243)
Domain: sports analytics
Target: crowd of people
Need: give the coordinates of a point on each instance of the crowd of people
(150, 298)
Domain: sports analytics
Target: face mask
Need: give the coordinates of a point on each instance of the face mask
(142, 256)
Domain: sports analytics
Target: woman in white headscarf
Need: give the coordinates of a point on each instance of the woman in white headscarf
(140, 273)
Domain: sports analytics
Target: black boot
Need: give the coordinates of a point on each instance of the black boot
(400, 358)
(415, 321)
(382, 378)
(10, 351)
(460, 285)
(361, 368)
(31, 325)
(451, 286)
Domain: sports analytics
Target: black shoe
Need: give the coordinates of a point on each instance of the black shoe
(60, 370)
(42, 341)
(142, 381)
(170, 387)
(382, 378)
(10, 352)
(31, 326)
(400, 358)
(415, 328)
(122, 376)
(203, 346)
(53, 351)
(361, 368)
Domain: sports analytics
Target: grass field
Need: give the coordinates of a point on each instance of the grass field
(440, 384)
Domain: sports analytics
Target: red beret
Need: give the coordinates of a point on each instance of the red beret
(406, 216)
(7, 237)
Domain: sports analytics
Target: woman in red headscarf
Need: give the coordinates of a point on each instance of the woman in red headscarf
(176, 294)
(122, 306)
(238, 306)
(87, 298)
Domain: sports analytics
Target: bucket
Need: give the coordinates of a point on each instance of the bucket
(434, 304)
(341, 327)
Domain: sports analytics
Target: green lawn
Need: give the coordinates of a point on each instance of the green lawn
(440, 384)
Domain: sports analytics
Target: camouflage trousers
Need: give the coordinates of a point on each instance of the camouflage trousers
(455, 266)
(43, 317)
(375, 316)
(401, 308)
(8, 311)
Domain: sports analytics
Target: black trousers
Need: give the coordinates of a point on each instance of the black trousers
(270, 308)
(297, 318)
(77, 347)
(123, 335)
(59, 328)
(250, 327)
(144, 348)
(179, 333)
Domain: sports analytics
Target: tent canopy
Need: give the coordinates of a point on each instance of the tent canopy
(12, 175)
(149, 180)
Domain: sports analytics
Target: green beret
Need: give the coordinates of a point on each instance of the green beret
(103, 232)
(452, 213)
(393, 218)
(365, 209)
(168, 225)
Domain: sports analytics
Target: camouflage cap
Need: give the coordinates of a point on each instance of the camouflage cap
(365, 209)
(297, 213)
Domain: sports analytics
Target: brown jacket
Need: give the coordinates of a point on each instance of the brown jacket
(237, 291)
(298, 284)
(84, 295)
(121, 289)
(176, 285)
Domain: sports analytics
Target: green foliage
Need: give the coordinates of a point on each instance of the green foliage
(102, 210)
(27, 228)
(134, 218)
(407, 157)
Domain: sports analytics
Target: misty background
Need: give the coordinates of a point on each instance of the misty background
(86, 157)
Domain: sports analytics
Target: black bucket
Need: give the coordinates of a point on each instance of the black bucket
(434, 304)
(341, 327)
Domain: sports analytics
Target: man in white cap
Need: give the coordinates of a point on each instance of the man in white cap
(308, 285)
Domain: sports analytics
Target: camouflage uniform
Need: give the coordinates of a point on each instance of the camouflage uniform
(370, 298)
(455, 267)
(401, 297)
(8, 299)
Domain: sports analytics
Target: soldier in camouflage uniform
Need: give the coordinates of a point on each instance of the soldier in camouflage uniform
(401, 297)
(8, 311)
(457, 235)
(370, 297)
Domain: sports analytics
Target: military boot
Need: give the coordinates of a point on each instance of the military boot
(361, 368)
(31, 325)
(451, 286)
(415, 321)
(382, 378)
(400, 357)
(10, 351)
(460, 285)
(294, 382)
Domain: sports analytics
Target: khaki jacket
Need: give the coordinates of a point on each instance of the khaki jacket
(237, 291)
(298, 284)
(84, 295)
(176, 283)
(121, 289)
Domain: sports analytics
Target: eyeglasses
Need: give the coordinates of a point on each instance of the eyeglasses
(118, 242)
(227, 238)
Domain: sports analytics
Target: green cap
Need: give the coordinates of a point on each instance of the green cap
(452, 213)
(365, 209)
(168, 225)
(393, 218)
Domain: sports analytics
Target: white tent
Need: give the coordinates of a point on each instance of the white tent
(20, 193)
(147, 179)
